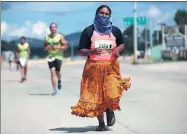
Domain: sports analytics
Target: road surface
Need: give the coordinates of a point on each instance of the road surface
(155, 104)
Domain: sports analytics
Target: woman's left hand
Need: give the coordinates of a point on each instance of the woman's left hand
(116, 52)
(55, 47)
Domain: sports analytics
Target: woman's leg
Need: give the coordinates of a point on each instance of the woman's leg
(100, 118)
(101, 126)
(53, 73)
(53, 77)
(110, 117)
(22, 73)
(58, 64)
(17, 66)
(10, 65)
(113, 92)
(25, 71)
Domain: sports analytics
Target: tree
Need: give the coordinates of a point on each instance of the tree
(180, 19)
(13, 45)
(6, 46)
(128, 31)
(146, 33)
(155, 40)
(128, 37)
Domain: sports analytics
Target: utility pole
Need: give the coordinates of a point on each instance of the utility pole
(163, 36)
(135, 32)
(157, 36)
(151, 32)
(185, 34)
(145, 40)
(146, 37)
(72, 50)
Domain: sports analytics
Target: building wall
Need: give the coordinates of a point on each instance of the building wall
(156, 53)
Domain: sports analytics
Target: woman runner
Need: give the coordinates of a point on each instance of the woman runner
(17, 63)
(101, 84)
(10, 60)
(54, 44)
(23, 53)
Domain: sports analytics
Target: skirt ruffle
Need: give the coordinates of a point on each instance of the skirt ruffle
(101, 88)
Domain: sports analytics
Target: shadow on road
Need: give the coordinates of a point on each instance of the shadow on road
(76, 129)
(13, 81)
(40, 94)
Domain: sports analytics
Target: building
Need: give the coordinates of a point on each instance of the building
(174, 44)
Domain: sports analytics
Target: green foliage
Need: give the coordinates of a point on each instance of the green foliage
(145, 33)
(128, 37)
(6, 46)
(180, 19)
(155, 40)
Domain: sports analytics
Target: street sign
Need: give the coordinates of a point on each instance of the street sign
(129, 20)
(140, 20)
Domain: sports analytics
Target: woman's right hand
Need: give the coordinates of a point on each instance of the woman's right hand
(47, 48)
(96, 51)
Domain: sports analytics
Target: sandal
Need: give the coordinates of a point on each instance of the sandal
(101, 127)
(22, 80)
(110, 117)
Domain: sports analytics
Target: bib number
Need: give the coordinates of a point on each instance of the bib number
(103, 44)
(50, 59)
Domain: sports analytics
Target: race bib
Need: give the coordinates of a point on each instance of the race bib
(103, 44)
(50, 59)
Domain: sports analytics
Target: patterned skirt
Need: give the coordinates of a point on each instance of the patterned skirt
(101, 88)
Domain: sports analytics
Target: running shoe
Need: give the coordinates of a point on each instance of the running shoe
(54, 92)
(59, 85)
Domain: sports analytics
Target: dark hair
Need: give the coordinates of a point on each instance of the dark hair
(103, 6)
(23, 37)
(52, 24)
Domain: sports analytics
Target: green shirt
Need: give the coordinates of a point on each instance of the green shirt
(23, 53)
(57, 54)
(11, 57)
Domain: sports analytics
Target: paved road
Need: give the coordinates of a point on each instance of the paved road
(155, 104)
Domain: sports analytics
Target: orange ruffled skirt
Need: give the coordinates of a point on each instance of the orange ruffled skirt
(101, 88)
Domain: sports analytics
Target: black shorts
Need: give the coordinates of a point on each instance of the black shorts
(56, 64)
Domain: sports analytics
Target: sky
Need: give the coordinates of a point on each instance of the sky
(32, 19)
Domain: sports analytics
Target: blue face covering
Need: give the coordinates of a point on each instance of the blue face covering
(102, 24)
